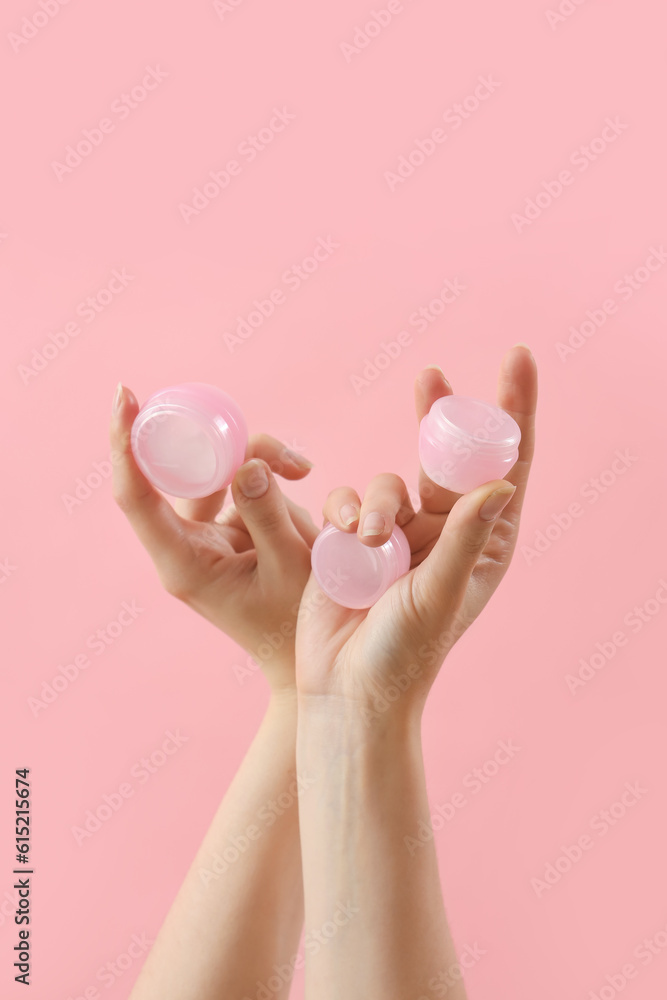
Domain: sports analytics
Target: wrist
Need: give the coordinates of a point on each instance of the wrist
(335, 726)
(364, 778)
(374, 700)
(283, 702)
(276, 665)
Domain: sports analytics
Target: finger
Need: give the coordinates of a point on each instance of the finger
(430, 385)
(152, 517)
(201, 508)
(231, 529)
(303, 522)
(301, 519)
(263, 510)
(386, 503)
(517, 395)
(441, 580)
(281, 460)
(342, 508)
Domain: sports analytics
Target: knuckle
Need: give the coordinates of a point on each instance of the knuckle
(301, 557)
(123, 442)
(178, 586)
(261, 444)
(333, 499)
(471, 544)
(395, 482)
(123, 500)
(404, 514)
(306, 515)
(130, 499)
(276, 465)
(269, 519)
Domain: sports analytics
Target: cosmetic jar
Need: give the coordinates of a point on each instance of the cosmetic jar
(189, 439)
(356, 575)
(465, 442)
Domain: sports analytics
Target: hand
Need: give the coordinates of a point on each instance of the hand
(458, 560)
(244, 572)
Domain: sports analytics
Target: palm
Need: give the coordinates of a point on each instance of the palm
(207, 557)
(230, 581)
(491, 566)
(358, 651)
(332, 644)
(378, 636)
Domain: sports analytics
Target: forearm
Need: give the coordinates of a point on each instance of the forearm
(239, 911)
(369, 793)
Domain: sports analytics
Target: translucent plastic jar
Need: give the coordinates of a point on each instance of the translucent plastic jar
(189, 439)
(465, 442)
(356, 575)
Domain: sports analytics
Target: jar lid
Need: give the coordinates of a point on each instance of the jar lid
(178, 448)
(481, 425)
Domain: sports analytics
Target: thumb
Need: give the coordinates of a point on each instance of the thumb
(441, 580)
(150, 514)
(261, 506)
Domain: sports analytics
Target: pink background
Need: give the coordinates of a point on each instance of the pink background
(324, 176)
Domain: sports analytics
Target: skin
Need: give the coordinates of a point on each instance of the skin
(228, 928)
(224, 938)
(363, 749)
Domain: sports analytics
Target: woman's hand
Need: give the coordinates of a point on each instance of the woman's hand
(245, 572)
(461, 550)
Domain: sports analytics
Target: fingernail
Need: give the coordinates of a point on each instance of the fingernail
(520, 343)
(437, 368)
(253, 480)
(496, 503)
(348, 513)
(296, 459)
(118, 398)
(373, 524)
